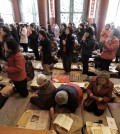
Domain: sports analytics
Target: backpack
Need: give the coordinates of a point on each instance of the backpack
(29, 69)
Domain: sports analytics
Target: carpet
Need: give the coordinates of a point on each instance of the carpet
(13, 109)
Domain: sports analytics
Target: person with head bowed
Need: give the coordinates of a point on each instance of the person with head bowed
(69, 96)
(99, 93)
(87, 45)
(44, 98)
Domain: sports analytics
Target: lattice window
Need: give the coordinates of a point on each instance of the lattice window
(6, 11)
(29, 11)
(65, 17)
(78, 5)
(71, 11)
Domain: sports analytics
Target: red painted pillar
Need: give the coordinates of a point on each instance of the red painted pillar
(87, 4)
(42, 8)
(101, 13)
(91, 12)
(16, 10)
(51, 11)
(57, 12)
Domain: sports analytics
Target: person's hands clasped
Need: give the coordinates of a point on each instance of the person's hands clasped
(64, 42)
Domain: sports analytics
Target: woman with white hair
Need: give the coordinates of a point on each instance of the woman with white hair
(99, 93)
(44, 98)
(69, 96)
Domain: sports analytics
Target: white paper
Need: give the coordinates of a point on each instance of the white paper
(111, 123)
(117, 88)
(58, 84)
(106, 130)
(81, 84)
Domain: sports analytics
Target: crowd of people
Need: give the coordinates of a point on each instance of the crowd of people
(61, 42)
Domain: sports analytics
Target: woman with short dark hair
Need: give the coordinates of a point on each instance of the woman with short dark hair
(87, 45)
(14, 33)
(46, 50)
(15, 66)
(67, 49)
(33, 40)
(4, 33)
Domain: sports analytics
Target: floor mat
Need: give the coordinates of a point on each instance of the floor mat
(77, 77)
(60, 78)
(13, 109)
(73, 67)
(35, 119)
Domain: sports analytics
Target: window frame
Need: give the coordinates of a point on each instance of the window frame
(71, 11)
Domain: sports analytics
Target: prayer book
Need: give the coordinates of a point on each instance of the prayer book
(63, 121)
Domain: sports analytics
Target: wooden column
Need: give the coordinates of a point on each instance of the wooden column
(86, 10)
(57, 11)
(101, 13)
(43, 16)
(51, 4)
(16, 10)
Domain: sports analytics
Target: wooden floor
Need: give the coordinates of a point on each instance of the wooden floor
(79, 111)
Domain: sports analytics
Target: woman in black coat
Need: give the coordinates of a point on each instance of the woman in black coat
(4, 33)
(66, 47)
(33, 41)
(14, 33)
(80, 32)
(46, 49)
(87, 45)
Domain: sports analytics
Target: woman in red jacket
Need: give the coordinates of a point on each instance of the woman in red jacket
(15, 66)
(99, 93)
(110, 47)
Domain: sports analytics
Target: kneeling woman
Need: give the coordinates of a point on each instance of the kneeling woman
(15, 66)
(99, 93)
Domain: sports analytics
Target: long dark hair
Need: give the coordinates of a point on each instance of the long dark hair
(12, 45)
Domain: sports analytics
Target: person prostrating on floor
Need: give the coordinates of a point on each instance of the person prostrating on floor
(15, 66)
(69, 96)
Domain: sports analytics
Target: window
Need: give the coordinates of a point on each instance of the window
(113, 13)
(71, 11)
(6, 11)
(29, 11)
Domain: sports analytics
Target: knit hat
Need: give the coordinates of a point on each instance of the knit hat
(104, 74)
(61, 98)
(41, 78)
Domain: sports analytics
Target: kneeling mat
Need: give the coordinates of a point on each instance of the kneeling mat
(75, 128)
